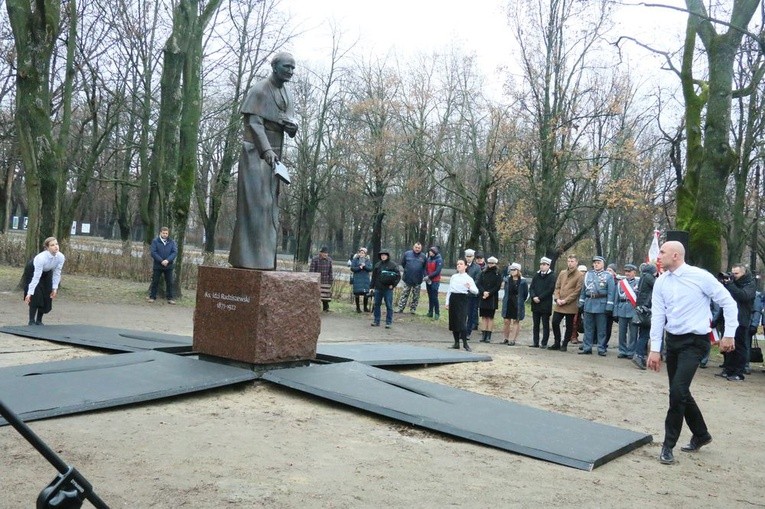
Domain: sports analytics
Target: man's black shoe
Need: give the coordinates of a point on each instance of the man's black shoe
(563, 348)
(553, 347)
(602, 354)
(32, 322)
(533, 346)
(696, 443)
(666, 456)
(585, 352)
(723, 374)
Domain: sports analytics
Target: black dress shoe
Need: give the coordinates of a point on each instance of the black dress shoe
(666, 456)
(697, 443)
(533, 346)
(553, 347)
(563, 348)
(585, 352)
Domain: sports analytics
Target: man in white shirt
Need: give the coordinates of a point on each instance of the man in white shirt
(681, 298)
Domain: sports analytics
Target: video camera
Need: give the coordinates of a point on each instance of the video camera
(725, 277)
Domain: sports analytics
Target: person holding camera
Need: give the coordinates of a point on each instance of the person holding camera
(742, 287)
(385, 277)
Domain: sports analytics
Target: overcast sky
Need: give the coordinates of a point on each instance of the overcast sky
(407, 27)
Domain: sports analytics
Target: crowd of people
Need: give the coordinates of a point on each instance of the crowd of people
(580, 306)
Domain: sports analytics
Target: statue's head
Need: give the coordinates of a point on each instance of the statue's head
(283, 66)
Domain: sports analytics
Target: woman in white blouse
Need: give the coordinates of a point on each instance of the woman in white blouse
(457, 304)
(41, 278)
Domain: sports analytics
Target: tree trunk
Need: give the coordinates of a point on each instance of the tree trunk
(710, 158)
(35, 32)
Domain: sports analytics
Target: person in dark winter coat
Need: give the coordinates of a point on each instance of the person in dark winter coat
(163, 253)
(385, 277)
(433, 266)
(540, 292)
(361, 267)
(475, 264)
(513, 303)
(643, 305)
(42, 275)
(742, 288)
(413, 263)
(489, 283)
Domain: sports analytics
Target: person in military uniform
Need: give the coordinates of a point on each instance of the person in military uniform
(596, 299)
(625, 311)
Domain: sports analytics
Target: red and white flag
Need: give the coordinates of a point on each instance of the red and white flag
(653, 251)
(628, 291)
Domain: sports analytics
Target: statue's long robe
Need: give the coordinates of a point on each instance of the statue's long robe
(257, 210)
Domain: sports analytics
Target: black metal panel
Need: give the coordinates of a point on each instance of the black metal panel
(393, 354)
(39, 391)
(104, 338)
(492, 421)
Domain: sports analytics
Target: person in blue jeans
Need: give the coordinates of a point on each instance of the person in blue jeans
(163, 253)
(385, 277)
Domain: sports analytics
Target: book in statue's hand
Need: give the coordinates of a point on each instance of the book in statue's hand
(282, 172)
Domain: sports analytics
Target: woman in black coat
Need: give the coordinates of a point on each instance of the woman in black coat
(489, 282)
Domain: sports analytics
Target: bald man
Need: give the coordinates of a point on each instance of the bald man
(681, 299)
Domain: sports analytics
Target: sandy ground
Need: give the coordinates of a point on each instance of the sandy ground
(259, 445)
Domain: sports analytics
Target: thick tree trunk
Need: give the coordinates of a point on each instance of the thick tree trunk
(710, 158)
(35, 32)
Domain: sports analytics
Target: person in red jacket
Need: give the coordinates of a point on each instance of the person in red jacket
(433, 265)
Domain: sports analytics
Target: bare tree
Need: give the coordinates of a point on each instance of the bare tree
(376, 134)
(562, 107)
(319, 103)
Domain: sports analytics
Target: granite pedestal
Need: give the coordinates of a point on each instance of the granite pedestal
(257, 317)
